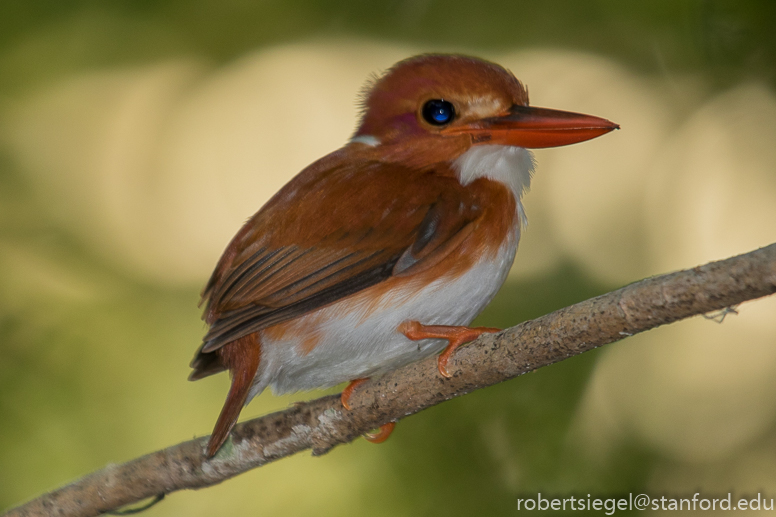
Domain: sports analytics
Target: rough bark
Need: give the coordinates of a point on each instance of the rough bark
(322, 424)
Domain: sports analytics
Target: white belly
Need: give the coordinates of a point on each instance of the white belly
(361, 341)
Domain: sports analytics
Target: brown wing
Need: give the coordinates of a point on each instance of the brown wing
(330, 233)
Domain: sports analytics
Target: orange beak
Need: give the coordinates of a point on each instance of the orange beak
(527, 126)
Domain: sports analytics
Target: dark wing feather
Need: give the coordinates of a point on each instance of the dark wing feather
(327, 283)
(349, 229)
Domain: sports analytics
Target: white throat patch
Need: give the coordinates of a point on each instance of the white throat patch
(510, 166)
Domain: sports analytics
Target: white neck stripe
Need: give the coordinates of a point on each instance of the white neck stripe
(366, 139)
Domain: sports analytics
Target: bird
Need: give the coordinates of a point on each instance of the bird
(382, 253)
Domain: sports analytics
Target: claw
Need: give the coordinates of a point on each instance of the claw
(348, 391)
(385, 430)
(455, 336)
(382, 434)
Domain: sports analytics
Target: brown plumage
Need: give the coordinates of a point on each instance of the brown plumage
(420, 208)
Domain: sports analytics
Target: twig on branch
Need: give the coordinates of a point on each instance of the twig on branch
(322, 424)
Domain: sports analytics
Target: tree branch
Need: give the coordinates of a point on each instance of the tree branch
(322, 424)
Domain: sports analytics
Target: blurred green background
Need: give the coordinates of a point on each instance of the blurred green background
(136, 136)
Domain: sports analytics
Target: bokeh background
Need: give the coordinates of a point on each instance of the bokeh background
(137, 135)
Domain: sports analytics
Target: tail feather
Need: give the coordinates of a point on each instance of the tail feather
(241, 357)
(205, 365)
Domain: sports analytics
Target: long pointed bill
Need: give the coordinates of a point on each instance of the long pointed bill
(527, 126)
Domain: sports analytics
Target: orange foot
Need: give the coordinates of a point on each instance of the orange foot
(456, 336)
(385, 430)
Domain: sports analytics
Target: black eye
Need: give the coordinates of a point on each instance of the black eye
(438, 112)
